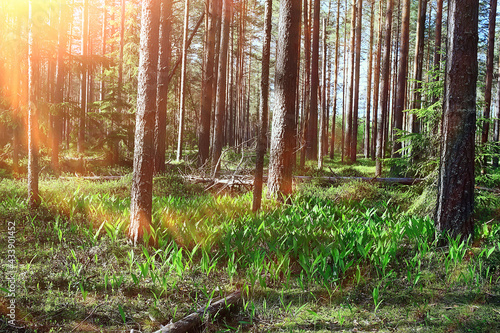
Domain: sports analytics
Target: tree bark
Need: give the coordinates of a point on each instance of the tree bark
(369, 85)
(83, 79)
(355, 107)
(384, 93)
(33, 77)
(324, 110)
(350, 94)
(401, 84)
(103, 47)
(164, 55)
(59, 88)
(417, 63)
(307, 89)
(489, 75)
(207, 85)
(182, 101)
(437, 48)
(264, 107)
(496, 134)
(335, 81)
(312, 132)
(455, 199)
(282, 144)
(377, 85)
(142, 179)
(221, 88)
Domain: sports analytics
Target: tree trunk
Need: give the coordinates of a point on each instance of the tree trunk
(264, 107)
(344, 88)
(103, 46)
(142, 179)
(355, 108)
(418, 61)
(455, 200)
(119, 88)
(59, 88)
(489, 75)
(164, 55)
(221, 87)
(350, 94)
(377, 85)
(83, 79)
(182, 102)
(335, 81)
(401, 85)
(33, 77)
(207, 85)
(312, 132)
(307, 80)
(384, 93)
(369, 85)
(282, 144)
(496, 134)
(323, 114)
(437, 48)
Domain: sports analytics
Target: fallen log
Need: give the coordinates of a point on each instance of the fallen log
(96, 178)
(195, 320)
(494, 190)
(245, 180)
(401, 181)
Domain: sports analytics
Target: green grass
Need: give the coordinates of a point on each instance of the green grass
(343, 257)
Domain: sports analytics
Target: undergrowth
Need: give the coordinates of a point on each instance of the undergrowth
(341, 257)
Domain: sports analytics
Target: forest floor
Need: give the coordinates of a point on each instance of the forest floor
(344, 257)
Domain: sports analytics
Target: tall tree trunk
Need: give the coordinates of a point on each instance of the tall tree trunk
(401, 84)
(207, 85)
(377, 84)
(264, 107)
(384, 93)
(355, 107)
(369, 85)
(312, 133)
(323, 114)
(83, 79)
(489, 75)
(59, 88)
(119, 88)
(142, 179)
(103, 46)
(33, 77)
(496, 134)
(307, 86)
(350, 94)
(335, 81)
(182, 104)
(455, 199)
(164, 55)
(437, 47)
(221, 87)
(418, 62)
(344, 89)
(282, 144)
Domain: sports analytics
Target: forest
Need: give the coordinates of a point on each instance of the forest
(249, 166)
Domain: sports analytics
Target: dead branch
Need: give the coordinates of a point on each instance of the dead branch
(195, 319)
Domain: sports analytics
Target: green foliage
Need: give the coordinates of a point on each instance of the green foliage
(174, 185)
(338, 252)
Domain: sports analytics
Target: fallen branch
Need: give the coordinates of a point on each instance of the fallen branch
(97, 178)
(246, 180)
(195, 319)
(402, 181)
(494, 190)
